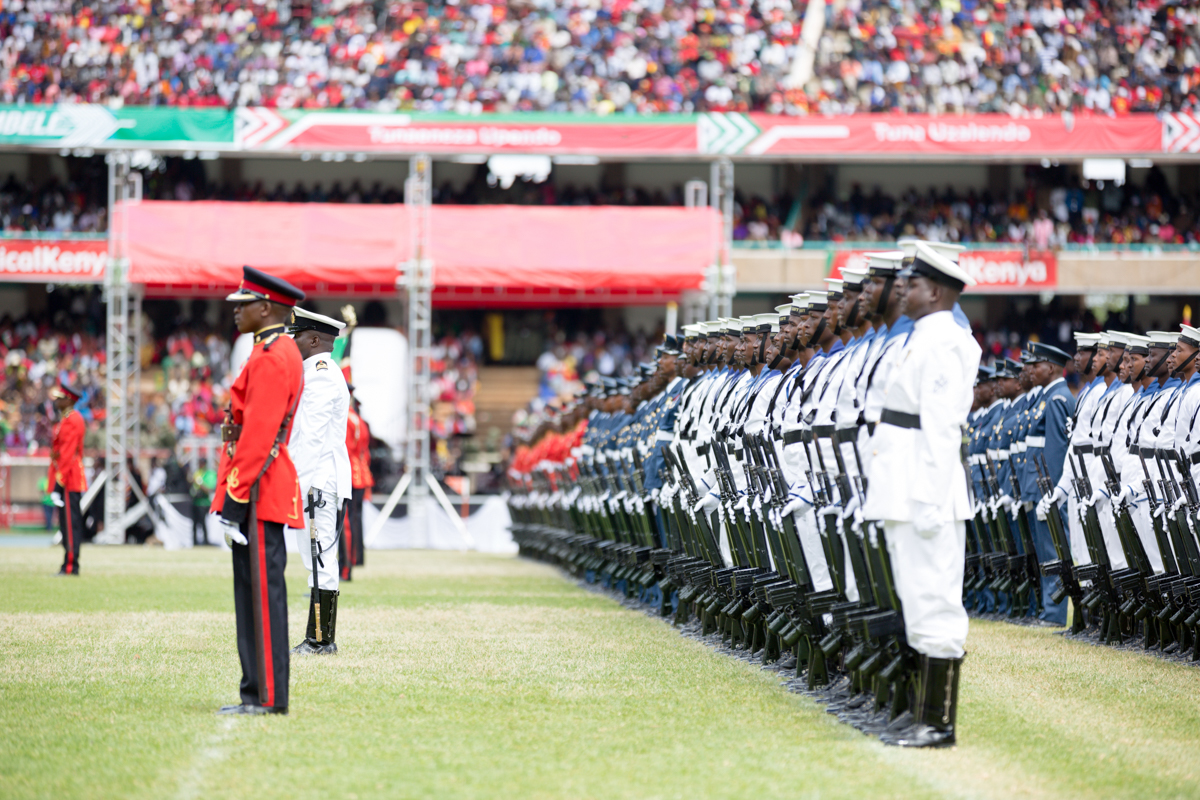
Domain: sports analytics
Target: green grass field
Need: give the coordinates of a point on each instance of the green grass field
(466, 675)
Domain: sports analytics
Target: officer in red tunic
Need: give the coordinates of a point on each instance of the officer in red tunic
(358, 445)
(257, 489)
(66, 473)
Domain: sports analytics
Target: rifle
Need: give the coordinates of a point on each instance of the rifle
(1017, 565)
(741, 543)
(1193, 505)
(1160, 536)
(1135, 554)
(315, 502)
(1064, 566)
(793, 553)
(1031, 558)
(708, 543)
(1178, 560)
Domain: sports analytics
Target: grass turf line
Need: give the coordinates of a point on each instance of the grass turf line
(466, 675)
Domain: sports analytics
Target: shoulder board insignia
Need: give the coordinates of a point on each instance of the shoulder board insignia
(1042, 407)
(322, 365)
(1060, 398)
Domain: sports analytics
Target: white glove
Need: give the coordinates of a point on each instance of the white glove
(850, 508)
(1003, 501)
(1043, 508)
(708, 503)
(233, 532)
(1158, 510)
(929, 518)
(796, 502)
(1128, 495)
(1179, 503)
(57, 499)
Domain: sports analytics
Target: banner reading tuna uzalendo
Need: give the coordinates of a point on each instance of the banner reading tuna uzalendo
(1000, 271)
(346, 133)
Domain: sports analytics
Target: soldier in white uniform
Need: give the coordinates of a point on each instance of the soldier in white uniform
(919, 489)
(318, 449)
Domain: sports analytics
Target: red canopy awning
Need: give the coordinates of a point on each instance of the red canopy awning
(489, 251)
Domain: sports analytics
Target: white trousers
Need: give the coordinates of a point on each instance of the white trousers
(1075, 535)
(814, 554)
(325, 522)
(1144, 525)
(1112, 541)
(928, 568)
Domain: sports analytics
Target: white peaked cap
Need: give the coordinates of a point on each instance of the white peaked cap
(951, 251)
(947, 266)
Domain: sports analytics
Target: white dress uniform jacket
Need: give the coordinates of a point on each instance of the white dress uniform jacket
(318, 441)
(921, 468)
(318, 449)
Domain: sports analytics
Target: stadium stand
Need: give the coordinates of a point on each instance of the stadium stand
(645, 56)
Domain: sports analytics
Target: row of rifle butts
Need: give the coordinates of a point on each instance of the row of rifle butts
(734, 487)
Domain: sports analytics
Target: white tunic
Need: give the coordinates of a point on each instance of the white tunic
(913, 468)
(318, 442)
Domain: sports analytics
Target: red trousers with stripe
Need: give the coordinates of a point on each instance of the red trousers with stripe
(261, 604)
(70, 520)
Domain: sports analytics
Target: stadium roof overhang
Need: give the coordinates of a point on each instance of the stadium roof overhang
(482, 255)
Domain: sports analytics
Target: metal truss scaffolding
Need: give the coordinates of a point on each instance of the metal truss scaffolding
(722, 278)
(416, 282)
(123, 345)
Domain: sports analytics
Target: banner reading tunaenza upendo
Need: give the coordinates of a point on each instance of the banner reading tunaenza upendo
(863, 135)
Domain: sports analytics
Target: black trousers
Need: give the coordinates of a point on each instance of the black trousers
(346, 544)
(356, 526)
(70, 519)
(199, 528)
(260, 599)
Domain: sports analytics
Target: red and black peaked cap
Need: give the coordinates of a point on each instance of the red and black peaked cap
(258, 285)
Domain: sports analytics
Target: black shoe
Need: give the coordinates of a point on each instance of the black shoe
(307, 648)
(920, 735)
(936, 709)
(248, 709)
(62, 573)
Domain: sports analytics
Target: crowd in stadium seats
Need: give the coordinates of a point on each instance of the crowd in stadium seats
(1041, 217)
(1048, 214)
(38, 352)
(611, 56)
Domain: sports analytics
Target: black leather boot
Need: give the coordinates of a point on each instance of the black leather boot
(329, 600)
(937, 706)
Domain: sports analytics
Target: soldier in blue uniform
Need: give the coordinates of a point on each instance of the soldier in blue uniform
(1046, 435)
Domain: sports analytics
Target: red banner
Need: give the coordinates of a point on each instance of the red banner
(52, 261)
(554, 135)
(1002, 271)
(979, 135)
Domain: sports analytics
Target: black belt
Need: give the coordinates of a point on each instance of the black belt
(1083, 449)
(791, 437)
(702, 450)
(845, 435)
(825, 431)
(1194, 458)
(900, 419)
(1100, 450)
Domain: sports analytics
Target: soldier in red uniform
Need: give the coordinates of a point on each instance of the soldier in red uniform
(66, 473)
(257, 489)
(358, 444)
